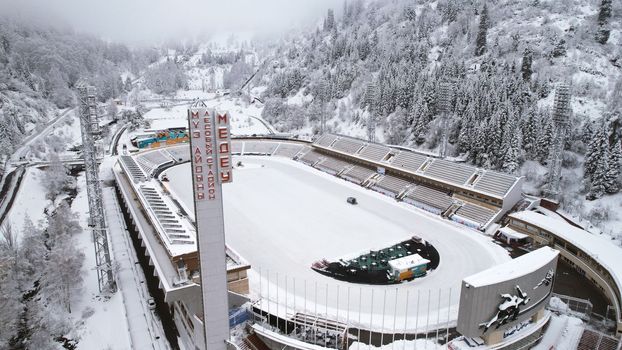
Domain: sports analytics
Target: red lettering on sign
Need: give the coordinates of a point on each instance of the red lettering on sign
(200, 195)
(200, 187)
(224, 162)
(223, 148)
(198, 169)
(195, 115)
(199, 178)
(222, 118)
(196, 134)
(222, 132)
(225, 176)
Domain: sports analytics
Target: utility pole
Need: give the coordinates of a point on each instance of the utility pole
(561, 116)
(89, 126)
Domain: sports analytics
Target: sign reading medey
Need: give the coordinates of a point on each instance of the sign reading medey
(210, 142)
(210, 148)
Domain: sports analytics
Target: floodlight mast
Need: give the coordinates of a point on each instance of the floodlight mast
(561, 119)
(89, 126)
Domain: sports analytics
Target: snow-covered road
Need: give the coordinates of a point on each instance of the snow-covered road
(282, 216)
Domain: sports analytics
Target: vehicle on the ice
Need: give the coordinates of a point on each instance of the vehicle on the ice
(352, 200)
(151, 304)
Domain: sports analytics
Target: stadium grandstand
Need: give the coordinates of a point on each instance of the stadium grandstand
(465, 194)
(468, 195)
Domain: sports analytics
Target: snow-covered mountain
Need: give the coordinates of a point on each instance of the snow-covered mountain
(381, 67)
(39, 67)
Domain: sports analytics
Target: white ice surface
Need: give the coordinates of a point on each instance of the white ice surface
(281, 216)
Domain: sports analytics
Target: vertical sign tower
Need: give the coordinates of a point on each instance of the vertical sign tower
(89, 126)
(210, 152)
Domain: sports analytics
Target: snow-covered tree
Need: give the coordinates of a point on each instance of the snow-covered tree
(612, 177)
(526, 64)
(511, 147)
(56, 178)
(127, 85)
(596, 151)
(598, 180)
(329, 21)
(62, 275)
(112, 109)
(545, 139)
(482, 32)
(604, 13)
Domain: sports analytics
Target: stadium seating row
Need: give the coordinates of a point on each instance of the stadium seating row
(134, 170)
(486, 181)
(495, 183)
(392, 184)
(408, 160)
(171, 226)
(375, 153)
(475, 213)
(311, 157)
(449, 171)
(429, 197)
(422, 196)
(152, 160)
(358, 174)
(332, 165)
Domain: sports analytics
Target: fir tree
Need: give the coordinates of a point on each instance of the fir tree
(544, 140)
(598, 180)
(480, 41)
(530, 133)
(596, 151)
(612, 177)
(329, 22)
(526, 64)
(604, 13)
(128, 84)
(511, 146)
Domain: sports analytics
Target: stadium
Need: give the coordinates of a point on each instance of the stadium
(287, 210)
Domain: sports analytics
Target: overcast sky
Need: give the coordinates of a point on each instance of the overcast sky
(154, 20)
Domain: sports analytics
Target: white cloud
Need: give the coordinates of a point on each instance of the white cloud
(149, 20)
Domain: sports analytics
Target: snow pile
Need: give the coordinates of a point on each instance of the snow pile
(399, 344)
(558, 305)
(563, 332)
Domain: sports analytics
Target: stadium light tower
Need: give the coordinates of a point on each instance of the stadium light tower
(371, 128)
(445, 98)
(561, 116)
(89, 126)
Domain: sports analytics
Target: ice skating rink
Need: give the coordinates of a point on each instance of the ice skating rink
(281, 216)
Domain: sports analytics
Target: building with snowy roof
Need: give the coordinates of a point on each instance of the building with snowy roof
(595, 257)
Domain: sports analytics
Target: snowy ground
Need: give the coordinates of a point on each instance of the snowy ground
(245, 119)
(100, 324)
(30, 200)
(282, 216)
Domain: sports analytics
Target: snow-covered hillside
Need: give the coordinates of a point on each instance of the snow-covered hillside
(383, 67)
